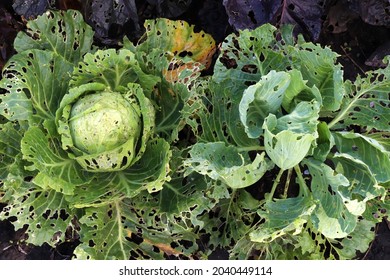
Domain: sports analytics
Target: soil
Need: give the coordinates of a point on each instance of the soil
(360, 45)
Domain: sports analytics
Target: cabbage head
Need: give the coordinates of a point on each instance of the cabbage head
(104, 130)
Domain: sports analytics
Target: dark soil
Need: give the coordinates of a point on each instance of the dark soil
(360, 44)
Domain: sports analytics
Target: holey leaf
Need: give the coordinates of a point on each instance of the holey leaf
(363, 185)
(283, 216)
(44, 211)
(57, 171)
(178, 38)
(35, 81)
(10, 155)
(64, 33)
(367, 101)
(113, 68)
(227, 163)
(249, 55)
(332, 217)
(318, 67)
(289, 138)
(148, 174)
(368, 150)
(131, 229)
(261, 99)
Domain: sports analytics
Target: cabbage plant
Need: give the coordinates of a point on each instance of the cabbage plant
(303, 153)
(87, 135)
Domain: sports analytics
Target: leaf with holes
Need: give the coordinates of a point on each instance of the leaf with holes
(289, 139)
(47, 158)
(261, 99)
(178, 38)
(367, 102)
(123, 230)
(336, 215)
(227, 163)
(246, 57)
(365, 149)
(45, 212)
(64, 33)
(35, 82)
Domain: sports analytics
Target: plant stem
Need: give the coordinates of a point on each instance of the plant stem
(287, 184)
(276, 183)
(251, 148)
(305, 188)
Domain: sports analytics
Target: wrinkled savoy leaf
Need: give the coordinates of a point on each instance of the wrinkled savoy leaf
(304, 14)
(32, 8)
(111, 19)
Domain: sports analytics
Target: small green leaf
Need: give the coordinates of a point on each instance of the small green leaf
(325, 142)
(298, 91)
(226, 163)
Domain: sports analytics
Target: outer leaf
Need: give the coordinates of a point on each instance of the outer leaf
(283, 216)
(58, 171)
(261, 99)
(10, 155)
(123, 230)
(185, 195)
(332, 217)
(318, 66)
(247, 56)
(231, 220)
(149, 173)
(35, 81)
(114, 69)
(367, 101)
(179, 38)
(363, 185)
(368, 150)
(358, 241)
(226, 163)
(65, 33)
(44, 211)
